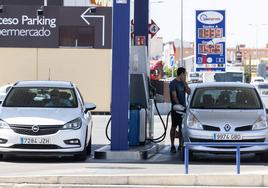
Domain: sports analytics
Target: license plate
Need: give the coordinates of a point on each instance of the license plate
(30, 140)
(227, 136)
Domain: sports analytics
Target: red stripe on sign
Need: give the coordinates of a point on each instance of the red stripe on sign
(204, 59)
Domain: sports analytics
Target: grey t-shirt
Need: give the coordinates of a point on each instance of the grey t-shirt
(179, 87)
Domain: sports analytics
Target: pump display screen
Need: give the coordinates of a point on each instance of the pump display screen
(207, 33)
(210, 48)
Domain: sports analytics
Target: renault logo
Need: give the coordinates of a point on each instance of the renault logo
(35, 128)
(227, 127)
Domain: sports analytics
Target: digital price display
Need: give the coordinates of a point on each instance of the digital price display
(208, 33)
(210, 48)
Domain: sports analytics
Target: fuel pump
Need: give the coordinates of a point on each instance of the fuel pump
(141, 105)
(142, 102)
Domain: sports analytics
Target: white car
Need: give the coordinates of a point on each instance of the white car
(225, 112)
(39, 118)
(195, 77)
(262, 88)
(3, 91)
(257, 79)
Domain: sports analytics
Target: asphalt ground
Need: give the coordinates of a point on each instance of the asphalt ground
(164, 164)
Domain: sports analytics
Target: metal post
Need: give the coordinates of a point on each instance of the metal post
(141, 17)
(120, 65)
(250, 68)
(238, 159)
(186, 158)
(181, 49)
(257, 52)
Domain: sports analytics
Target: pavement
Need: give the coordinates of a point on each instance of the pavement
(161, 170)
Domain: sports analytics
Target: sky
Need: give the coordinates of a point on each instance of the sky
(246, 20)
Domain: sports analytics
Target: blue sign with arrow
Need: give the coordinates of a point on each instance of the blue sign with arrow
(171, 62)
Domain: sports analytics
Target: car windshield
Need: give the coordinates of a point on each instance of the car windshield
(226, 98)
(41, 97)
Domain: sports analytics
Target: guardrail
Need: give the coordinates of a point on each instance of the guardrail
(236, 144)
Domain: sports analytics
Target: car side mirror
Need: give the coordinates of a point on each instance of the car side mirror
(89, 106)
(266, 111)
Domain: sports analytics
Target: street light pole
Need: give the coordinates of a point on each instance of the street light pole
(181, 49)
(256, 39)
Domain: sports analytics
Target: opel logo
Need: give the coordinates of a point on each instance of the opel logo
(227, 127)
(35, 128)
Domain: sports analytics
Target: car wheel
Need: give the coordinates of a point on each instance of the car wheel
(89, 147)
(82, 156)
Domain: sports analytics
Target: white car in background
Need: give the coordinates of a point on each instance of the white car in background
(3, 91)
(40, 118)
(257, 79)
(195, 77)
(262, 88)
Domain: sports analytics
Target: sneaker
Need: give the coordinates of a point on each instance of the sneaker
(172, 149)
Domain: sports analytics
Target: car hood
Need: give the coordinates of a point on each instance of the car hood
(40, 116)
(222, 117)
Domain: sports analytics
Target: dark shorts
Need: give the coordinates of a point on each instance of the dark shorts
(176, 119)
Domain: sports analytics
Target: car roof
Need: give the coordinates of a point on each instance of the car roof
(258, 77)
(223, 84)
(44, 83)
(259, 83)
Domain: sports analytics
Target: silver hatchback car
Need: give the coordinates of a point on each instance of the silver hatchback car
(225, 112)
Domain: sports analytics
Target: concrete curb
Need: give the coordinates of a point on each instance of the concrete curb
(247, 180)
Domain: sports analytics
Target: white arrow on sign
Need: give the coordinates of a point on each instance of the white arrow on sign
(171, 61)
(85, 15)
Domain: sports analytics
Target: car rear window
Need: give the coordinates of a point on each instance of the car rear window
(226, 98)
(41, 97)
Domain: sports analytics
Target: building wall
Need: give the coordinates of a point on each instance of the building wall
(89, 69)
(77, 2)
(156, 48)
(32, 2)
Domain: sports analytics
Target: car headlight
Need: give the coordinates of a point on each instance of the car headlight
(75, 124)
(193, 123)
(261, 123)
(3, 125)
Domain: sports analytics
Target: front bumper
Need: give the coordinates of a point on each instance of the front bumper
(192, 135)
(56, 145)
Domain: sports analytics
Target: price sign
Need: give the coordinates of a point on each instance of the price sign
(210, 50)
